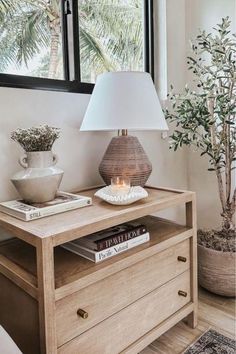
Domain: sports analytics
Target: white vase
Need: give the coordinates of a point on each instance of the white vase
(40, 179)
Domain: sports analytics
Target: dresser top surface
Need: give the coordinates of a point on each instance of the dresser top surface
(83, 221)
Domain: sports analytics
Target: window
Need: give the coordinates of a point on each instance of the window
(65, 44)
(31, 39)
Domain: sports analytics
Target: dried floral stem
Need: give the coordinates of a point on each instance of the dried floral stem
(36, 138)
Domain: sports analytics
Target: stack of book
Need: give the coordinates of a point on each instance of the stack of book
(31, 211)
(108, 243)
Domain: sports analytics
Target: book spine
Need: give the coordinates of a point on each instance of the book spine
(122, 247)
(36, 214)
(16, 214)
(120, 238)
(79, 251)
(102, 255)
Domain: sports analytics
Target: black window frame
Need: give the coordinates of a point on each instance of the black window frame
(70, 8)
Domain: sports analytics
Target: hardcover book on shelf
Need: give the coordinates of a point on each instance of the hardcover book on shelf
(98, 256)
(99, 241)
(31, 211)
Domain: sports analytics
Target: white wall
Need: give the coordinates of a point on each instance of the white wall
(205, 14)
(79, 152)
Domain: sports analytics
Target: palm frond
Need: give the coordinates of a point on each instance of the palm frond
(24, 32)
(92, 51)
(111, 33)
(118, 25)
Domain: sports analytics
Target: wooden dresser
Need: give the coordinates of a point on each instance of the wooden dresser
(53, 301)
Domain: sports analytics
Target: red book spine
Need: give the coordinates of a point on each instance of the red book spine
(123, 237)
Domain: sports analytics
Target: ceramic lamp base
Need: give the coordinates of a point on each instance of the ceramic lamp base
(125, 156)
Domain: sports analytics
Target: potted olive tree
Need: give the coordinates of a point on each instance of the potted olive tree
(205, 118)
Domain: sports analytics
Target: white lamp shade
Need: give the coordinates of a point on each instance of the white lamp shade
(124, 100)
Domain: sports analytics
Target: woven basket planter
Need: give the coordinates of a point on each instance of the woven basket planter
(216, 271)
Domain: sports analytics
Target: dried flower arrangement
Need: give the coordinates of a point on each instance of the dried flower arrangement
(36, 138)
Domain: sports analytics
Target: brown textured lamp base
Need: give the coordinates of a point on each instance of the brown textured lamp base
(125, 156)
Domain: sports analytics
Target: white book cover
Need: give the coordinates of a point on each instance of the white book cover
(31, 211)
(129, 230)
(107, 253)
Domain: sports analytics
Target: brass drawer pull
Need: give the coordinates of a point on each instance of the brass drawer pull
(182, 293)
(82, 314)
(182, 259)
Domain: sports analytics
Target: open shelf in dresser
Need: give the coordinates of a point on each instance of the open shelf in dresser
(20, 257)
(35, 262)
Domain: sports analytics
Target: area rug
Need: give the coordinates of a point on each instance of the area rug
(212, 342)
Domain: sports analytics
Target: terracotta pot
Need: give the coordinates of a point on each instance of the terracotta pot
(216, 271)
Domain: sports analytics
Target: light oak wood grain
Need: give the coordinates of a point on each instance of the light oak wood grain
(117, 291)
(73, 272)
(227, 306)
(215, 312)
(174, 341)
(19, 276)
(158, 330)
(80, 222)
(52, 275)
(19, 316)
(160, 240)
(120, 330)
(191, 221)
(46, 297)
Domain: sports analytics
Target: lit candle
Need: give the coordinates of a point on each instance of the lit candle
(120, 185)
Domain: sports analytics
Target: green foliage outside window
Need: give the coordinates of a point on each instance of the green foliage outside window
(111, 37)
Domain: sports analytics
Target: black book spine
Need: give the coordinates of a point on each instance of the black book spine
(122, 237)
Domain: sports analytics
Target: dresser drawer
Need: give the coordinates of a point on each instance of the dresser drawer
(122, 329)
(108, 296)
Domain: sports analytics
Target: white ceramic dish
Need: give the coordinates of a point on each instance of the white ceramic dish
(135, 194)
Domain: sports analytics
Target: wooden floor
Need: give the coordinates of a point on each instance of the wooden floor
(215, 312)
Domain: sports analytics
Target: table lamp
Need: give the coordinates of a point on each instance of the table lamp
(124, 101)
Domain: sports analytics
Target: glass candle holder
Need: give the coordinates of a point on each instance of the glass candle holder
(120, 185)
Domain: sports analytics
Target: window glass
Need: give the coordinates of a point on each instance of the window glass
(111, 34)
(31, 38)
